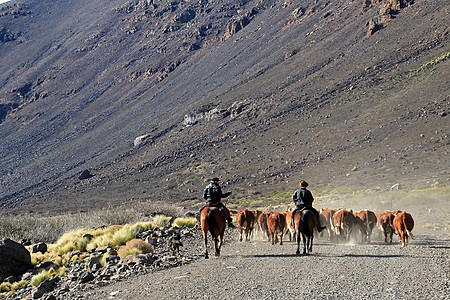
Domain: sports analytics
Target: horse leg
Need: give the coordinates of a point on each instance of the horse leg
(311, 243)
(217, 246)
(205, 239)
(298, 243)
(304, 244)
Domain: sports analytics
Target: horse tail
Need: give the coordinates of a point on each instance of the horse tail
(211, 221)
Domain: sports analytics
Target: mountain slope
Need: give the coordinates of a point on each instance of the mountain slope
(259, 93)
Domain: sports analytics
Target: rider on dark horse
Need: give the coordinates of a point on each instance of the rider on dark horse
(304, 199)
(213, 194)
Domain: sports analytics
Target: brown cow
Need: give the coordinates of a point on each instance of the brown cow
(256, 213)
(276, 222)
(344, 221)
(326, 218)
(290, 226)
(245, 220)
(370, 219)
(262, 222)
(403, 224)
(387, 228)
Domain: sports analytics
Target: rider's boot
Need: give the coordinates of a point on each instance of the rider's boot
(230, 223)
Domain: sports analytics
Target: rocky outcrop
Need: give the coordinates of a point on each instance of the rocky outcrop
(14, 258)
(385, 13)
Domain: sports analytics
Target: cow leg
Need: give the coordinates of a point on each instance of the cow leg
(281, 238)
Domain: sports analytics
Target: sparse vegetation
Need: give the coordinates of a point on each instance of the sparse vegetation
(37, 279)
(52, 228)
(185, 222)
(134, 246)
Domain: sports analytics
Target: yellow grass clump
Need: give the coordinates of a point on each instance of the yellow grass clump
(134, 246)
(161, 220)
(5, 287)
(37, 279)
(185, 222)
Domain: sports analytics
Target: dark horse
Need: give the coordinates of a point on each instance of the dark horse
(213, 220)
(304, 223)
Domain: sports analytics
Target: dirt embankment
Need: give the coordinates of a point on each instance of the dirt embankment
(258, 270)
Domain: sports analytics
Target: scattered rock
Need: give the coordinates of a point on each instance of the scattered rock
(85, 175)
(86, 277)
(45, 287)
(40, 247)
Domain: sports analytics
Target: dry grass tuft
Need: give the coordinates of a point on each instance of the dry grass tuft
(135, 246)
(185, 222)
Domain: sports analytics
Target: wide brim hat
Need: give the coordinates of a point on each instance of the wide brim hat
(303, 183)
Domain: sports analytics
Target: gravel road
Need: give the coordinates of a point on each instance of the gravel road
(259, 270)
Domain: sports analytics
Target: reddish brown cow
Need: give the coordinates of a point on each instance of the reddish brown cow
(344, 221)
(276, 222)
(403, 224)
(370, 219)
(387, 227)
(245, 220)
(262, 222)
(256, 213)
(326, 218)
(290, 226)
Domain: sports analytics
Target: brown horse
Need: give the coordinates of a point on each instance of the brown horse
(213, 220)
(304, 223)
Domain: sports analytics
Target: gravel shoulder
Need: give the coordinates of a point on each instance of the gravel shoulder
(259, 270)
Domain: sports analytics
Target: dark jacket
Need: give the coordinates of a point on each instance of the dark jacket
(213, 193)
(303, 197)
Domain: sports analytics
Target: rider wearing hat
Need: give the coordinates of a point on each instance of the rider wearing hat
(304, 199)
(213, 194)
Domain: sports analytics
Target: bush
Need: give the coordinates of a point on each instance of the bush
(37, 279)
(161, 221)
(134, 246)
(185, 222)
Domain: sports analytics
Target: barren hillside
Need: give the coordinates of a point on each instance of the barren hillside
(260, 93)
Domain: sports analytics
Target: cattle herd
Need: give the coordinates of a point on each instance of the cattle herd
(341, 225)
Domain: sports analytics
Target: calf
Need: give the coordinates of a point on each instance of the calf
(403, 224)
(370, 220)
(245, 219)
(276, 222)
(387, 228)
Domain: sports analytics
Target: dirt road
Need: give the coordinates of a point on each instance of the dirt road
(258, 270)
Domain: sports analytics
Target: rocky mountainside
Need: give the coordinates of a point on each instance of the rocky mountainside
(151, 97)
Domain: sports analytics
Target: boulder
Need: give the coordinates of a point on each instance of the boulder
(40, 247)
(86, 277)
(14, 258)
(141, 140)
(85, 175)
(45, 287)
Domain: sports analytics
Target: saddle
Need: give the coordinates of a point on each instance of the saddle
(219, 206)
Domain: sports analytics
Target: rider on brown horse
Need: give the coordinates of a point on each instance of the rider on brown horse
(304, 199)
(213, 194)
